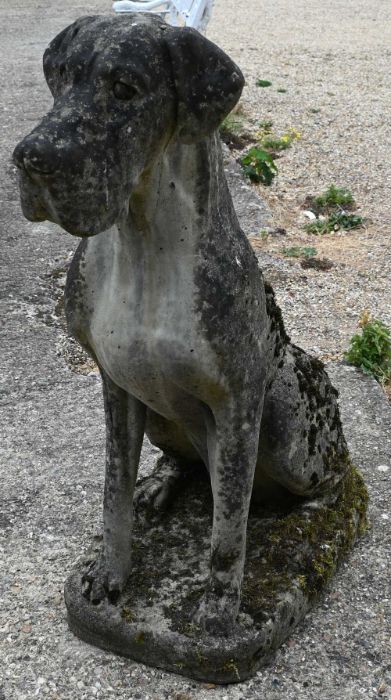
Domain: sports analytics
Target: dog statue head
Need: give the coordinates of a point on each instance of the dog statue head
(123, 88)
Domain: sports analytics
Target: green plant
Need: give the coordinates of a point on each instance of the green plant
(336, 221)
(232, 123)
(278, 143)
(298, 251)
(262, 83)
(233, 131)
(281, 90)
(334, 197)
(266, 126)
(275, 143)
(259, 166)
(371, 351)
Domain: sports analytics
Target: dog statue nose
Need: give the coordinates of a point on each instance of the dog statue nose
(35, 156)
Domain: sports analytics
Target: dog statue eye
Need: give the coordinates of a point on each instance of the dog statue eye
(122, 91)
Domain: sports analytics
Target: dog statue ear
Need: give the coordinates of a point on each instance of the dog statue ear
(207, 81)
(55, 54)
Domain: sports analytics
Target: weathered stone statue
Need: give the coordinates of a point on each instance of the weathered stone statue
(165, 294)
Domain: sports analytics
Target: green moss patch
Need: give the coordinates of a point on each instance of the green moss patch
(301, 549)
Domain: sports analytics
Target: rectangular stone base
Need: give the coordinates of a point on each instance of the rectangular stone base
(291, 556)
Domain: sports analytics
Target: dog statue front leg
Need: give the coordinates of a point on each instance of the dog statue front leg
(232, 448)
(125, 422)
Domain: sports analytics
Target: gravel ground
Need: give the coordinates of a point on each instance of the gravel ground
(333, 59)
(51, 445)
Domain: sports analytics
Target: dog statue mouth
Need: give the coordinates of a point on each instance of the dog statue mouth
(35, 211)
(39, 204)
(77, 230)
(77, 227)
(32, 205)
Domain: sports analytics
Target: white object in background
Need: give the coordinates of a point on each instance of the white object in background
(188, 13)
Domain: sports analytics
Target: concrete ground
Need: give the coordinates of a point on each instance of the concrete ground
(51, 453)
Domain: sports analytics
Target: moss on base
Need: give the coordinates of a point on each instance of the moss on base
(291, 557)
(302, 548)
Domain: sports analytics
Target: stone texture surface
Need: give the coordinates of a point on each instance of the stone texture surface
(51, 456)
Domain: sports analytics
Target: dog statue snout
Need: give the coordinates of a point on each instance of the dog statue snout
(36, 156)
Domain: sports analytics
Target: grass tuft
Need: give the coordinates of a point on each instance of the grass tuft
(266, 126)
(332, 198)
(233, 123)
(262, 83)
(371, 351)
(298, 251)
(278, 143)
(336, 221)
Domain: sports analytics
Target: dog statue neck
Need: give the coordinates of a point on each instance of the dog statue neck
(181, 193)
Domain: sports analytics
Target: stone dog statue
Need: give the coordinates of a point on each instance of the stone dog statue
(165, 293)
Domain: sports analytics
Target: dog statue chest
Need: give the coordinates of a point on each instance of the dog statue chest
(133, 309)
